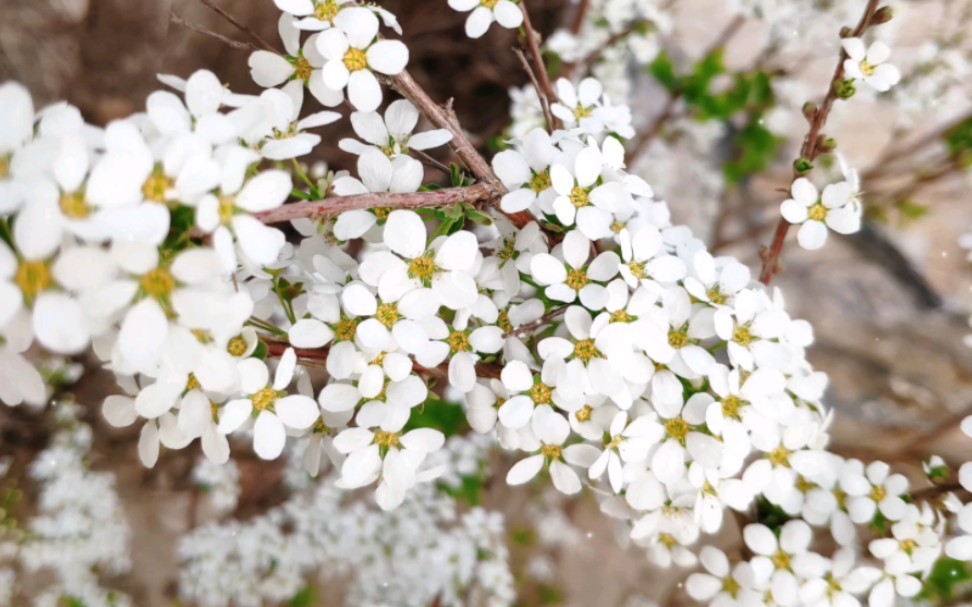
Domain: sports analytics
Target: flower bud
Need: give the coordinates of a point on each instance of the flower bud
(810, 111)
(882, 15)
(802, 165)
(846, 32)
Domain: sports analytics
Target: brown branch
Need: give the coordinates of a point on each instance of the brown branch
(810, 150)
(328, 207)
(173, 18)
(243, 28)
(587, 62)
(580, 16)
(483, 370)
(445, 118)
(544, 103)
(533, 46)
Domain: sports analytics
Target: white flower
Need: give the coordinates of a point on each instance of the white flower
(628, 443)
(576, 279)
(484, 12)
(868, 64)
(275, 409)
(721, 585)
(229, 216)
(788, 555)
(447, 268)
(552, 430)
(392, 135)
(352, 54)
(842, 585)
(879, 490)
(315, 15)
(581, 199)
(303, 64)
(835, 209)
(391, 456)
(525, 171)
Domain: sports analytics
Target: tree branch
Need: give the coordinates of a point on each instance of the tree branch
(328, 207)
(771, 256)
(445, 118)
(235, 23)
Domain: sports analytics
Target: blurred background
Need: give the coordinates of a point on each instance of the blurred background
(889, 305)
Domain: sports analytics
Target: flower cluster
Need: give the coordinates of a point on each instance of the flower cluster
(555, 300)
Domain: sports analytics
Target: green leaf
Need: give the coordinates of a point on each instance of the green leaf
(756, 151)
(448, 418)
(770, 515)
(664, 72)
(261, 351)
(948, 578)
(307, 597)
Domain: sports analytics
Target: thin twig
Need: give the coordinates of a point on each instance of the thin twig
(580, 16)
(474, 194)
(445, 118)
(810, 150)
(544, 102)
(246, 46)
(533, 46)
(243, 28)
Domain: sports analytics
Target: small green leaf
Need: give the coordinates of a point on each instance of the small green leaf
(307, 597)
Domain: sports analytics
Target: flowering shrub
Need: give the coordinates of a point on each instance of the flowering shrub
(545, 289)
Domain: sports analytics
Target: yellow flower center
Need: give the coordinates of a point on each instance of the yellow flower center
(264, 399)
(617, 226)
(818, 212)
(731, 406)
(326, 11)
(803, 485)
(381, 213)
(388, 315)
(503, 322)
(459, 341)
(346, 329)
(867, 69)
(422, 268)
(638, 270)
(578, 197)
(192, 383)
(677, 339)
(716, 296)
(677, 428)
(730, 586)
(158, 283)
(551, 452)
(320, 427)
(582, 112)
(541, 394)
(585, 350)
(780, 457)
(386, 439)
(620, 316)
(878, 493)
(508, 251)
(155, 187)
(743, 336)
(202, 336)
(540, 181)
(908, 545)
(355, 60)
(33, 277)
(577, 279)
(237, 346)
(302, 69)
(584, 414)
(4, 167)
(781, 560)
(227, 208)
(667, 540)
(74, 206)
